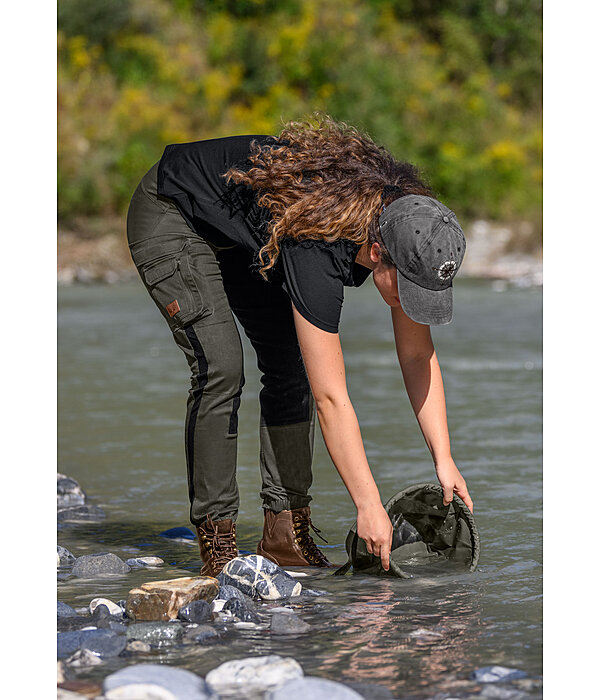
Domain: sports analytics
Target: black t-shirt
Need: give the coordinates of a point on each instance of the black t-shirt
(313, 273)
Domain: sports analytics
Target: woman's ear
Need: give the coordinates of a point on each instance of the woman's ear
(375, 252)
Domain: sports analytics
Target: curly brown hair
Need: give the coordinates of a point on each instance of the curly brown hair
(323, 179)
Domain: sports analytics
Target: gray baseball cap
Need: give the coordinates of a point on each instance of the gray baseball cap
(427, 245)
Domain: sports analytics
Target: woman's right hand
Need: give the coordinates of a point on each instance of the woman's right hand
(373, 525)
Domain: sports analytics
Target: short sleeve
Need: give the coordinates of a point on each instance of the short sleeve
(314, 280)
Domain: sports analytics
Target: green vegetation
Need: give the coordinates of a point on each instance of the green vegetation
(451, 85)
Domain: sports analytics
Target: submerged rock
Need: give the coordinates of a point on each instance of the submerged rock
(77, 514)
(494, 674)
(104, 643)
(162, 600)
(258, 577)
(288, 623)
(179, 533)
(244, 611)
(181, 684)
(227, 592)
(157, 634)
(91, 565)
(313, 688)
(258, 673)
(204, 634)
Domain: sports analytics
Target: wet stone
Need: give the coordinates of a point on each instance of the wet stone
(244, 611)
(258, 577)
(144, 562)
(70, 624)
(288, 623)
(156, 634)
(106, 646)
(196, 611)
(227, 592)
(182, 684)
(179, 533)
(495, 674)
(68, 492)
(135, 646)
(83, 658)
(65, 558)
(68, 643)
(92, 565)
(258, 673)
(313, 688)
(162, 600)
(113, 608)
(64, 610)
(204, 634)
(77, 514)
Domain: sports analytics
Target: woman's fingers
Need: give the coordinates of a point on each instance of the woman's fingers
(463, 492)
(384, 553)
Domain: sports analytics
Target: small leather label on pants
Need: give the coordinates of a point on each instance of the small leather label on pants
(173, 308)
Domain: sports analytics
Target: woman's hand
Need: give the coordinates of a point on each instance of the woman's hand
(452, 482)
(373, 525)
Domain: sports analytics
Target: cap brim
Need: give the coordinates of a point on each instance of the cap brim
(427, 306)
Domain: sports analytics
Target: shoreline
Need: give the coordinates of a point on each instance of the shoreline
(95, 251)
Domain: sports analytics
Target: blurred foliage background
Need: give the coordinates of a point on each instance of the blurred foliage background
(451, 85)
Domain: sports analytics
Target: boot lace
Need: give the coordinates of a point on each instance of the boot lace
(303, 538)
(220, 546)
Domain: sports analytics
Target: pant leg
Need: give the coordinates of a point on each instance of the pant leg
(182, 275)
(287, 408)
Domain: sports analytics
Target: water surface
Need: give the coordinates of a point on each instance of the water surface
(122, 393)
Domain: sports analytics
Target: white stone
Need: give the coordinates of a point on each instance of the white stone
(295, 574)
(83, 658)
(217, 605)
(113, 608)
(314, 688)
(258, 672)
(140, 691)
(246, 625)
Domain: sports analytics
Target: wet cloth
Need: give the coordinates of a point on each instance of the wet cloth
(198, 289)
(425, 533)
(312, 273)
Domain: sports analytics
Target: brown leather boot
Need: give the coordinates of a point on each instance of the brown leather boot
(287, 541)
(217, 545)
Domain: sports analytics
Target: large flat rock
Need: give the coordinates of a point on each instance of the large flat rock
(161, 600)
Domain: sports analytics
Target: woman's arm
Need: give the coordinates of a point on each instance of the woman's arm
(324, 362)
(423, 381)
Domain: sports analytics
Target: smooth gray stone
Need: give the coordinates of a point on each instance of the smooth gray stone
(259, 577)
(65, 557)
(242, 610)
(77, 514)
(64, 610)
(104, 646)
(156, 633)
(288, 623)
(69, 624)
(144, 562)
(313, 688)
(69, 642)
(494, 674)
(184, 685)
(68, 492)
(91, 565)
(196, 611)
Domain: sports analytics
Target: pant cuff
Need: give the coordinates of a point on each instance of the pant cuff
(290, 503)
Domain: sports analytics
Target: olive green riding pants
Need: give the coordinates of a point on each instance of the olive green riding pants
(198, 288)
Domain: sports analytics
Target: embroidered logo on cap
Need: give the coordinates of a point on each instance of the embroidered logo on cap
(446, 270)
(173, 308)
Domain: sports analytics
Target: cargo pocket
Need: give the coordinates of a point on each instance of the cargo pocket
(171, 284)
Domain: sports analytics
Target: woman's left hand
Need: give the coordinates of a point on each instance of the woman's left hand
(452, 482)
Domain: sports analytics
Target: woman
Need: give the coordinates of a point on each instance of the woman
(271, 230)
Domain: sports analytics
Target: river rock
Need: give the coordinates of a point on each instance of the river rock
(196, 611)
(179, 533)
(64, 557)
(135, 646)
(144, 562)
(162, 600)
(181, 684)
(113, 608)
(494, 674)
(258, 673)
(202, 634)
(69, 642)
(92, 565)
(313, 688)
(68, 492)
(244, 611)
(83, 658)
(78, 514)
(258, 577)
(157, 634)
(64, 610)
(227, 592)
(288, 623)
(72, 623)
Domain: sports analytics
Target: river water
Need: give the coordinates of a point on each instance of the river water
(122, 393)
